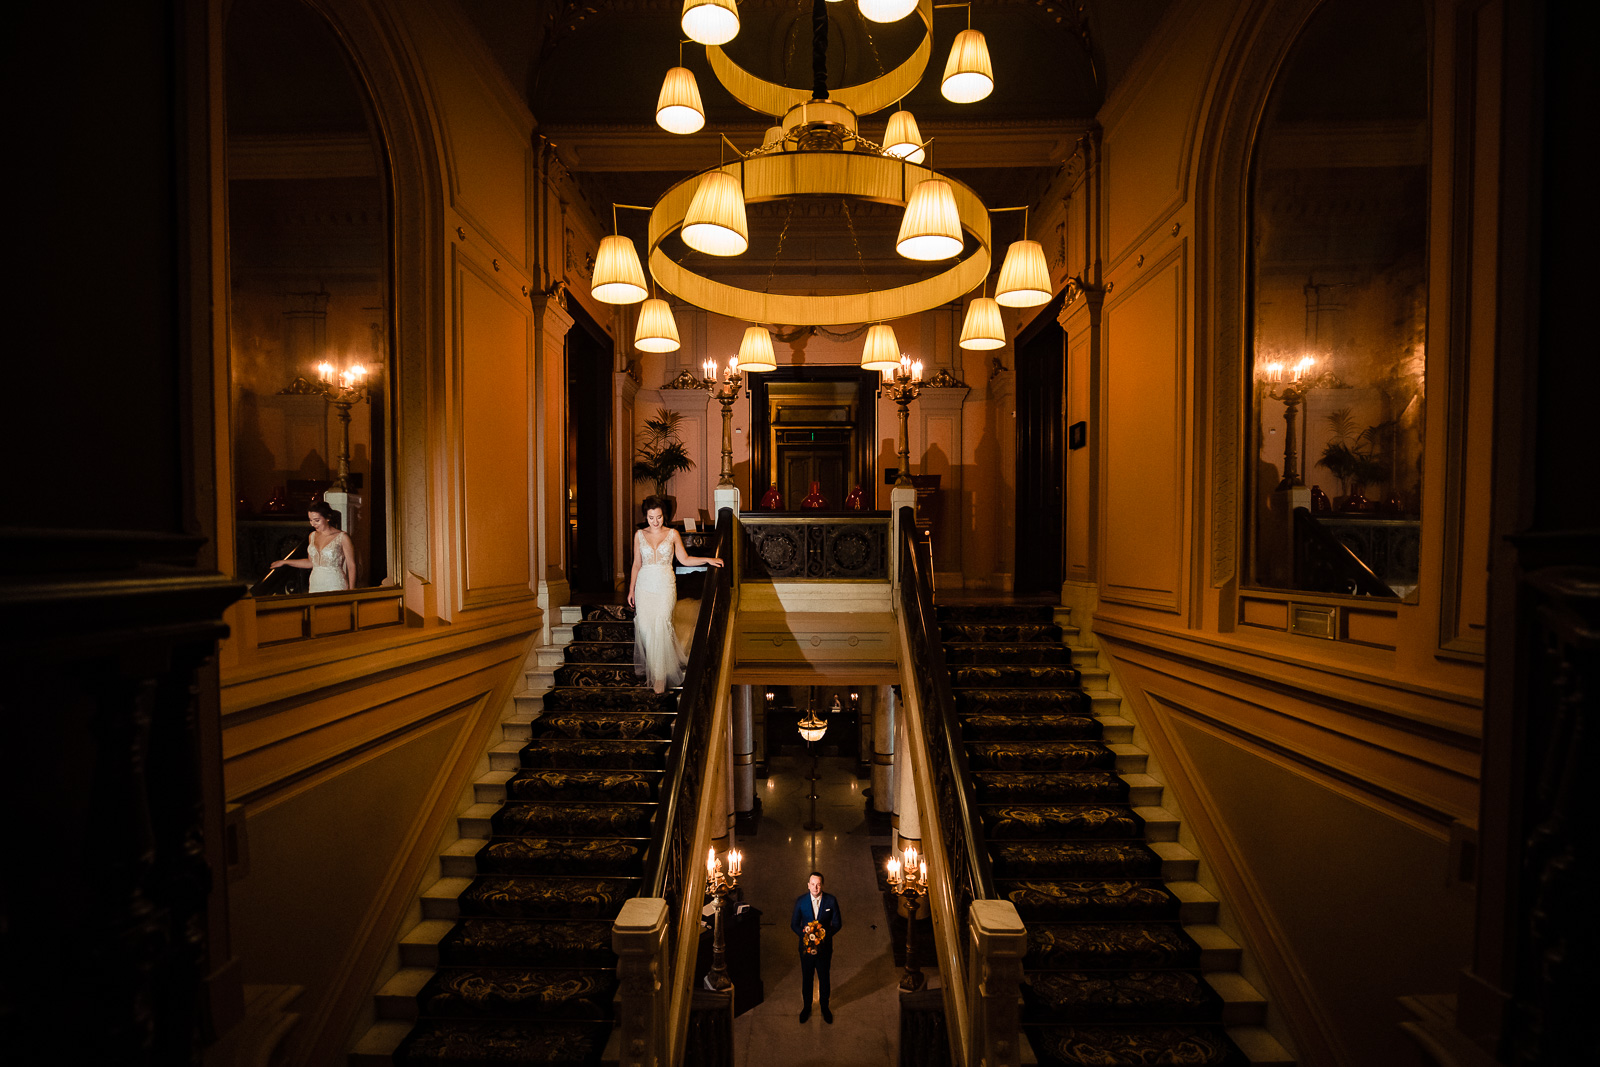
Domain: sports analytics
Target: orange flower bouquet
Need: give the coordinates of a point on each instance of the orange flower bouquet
(812, 936)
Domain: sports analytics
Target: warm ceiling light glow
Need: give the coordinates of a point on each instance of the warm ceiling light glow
(618, 276)
(678, 108)
(715, 222)
(657, 330)
(983, 329)
(902, 139)
(755, 351)
(1024, 278)
(774, 133)
(968, 75)
(886, 10)
(882, 351)
(931, 228)
(710, 21)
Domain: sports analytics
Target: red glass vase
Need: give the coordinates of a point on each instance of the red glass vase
(815, 499)
(772, 500)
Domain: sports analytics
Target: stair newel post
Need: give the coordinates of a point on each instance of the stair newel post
(994, 984)
(639, 938)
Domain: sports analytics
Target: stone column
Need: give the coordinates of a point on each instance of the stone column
(551, 321)
(884, 724)
(744, 746)
(907, 824)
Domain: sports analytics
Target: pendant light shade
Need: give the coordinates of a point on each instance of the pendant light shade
(1024, 278)
(774, 133)
(678, 108)
(618, 276)
(968, 75)
(710, 21)
(983, 329)
(657, 330)
(902, 139)
(755, 351)
(931, 228)
(882, 351)
(886, 10)
(715, 222)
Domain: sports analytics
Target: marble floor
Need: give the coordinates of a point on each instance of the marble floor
(778, 858)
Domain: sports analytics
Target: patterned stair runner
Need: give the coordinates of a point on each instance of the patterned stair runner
(527, 975)
(1111, 977)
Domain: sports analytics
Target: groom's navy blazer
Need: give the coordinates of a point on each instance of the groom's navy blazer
(830, 918)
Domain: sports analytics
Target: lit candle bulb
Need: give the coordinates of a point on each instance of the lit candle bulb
(735, 863)
(894, 871)
(733, 366)
(1301, 368)
(711, 861)
(911, 856)
(709, 368)
(325, 372)
(888, 374)
(916, 370)
(922, 872)
(360, 371)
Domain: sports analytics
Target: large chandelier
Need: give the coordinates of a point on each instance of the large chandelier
(815, 149)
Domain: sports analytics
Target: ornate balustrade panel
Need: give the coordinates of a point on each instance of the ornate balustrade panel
(843, 546)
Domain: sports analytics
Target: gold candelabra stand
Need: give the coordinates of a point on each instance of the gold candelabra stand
(909, 878)
(719, 885)
(902, 384)
(724, 392)
(344, 390)
(1292, 393)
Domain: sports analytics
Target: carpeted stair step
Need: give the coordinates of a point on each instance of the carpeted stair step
(1012, 676)
(552, 819)
(1021, 757)
(1096, 787)
(600, 652)
(1000, 632)
(1075, 859)
(572, 784)
(1101, 821)
(957, 653)
(629, 697)
(1091, 900)
(561, 855)
(534, 897)
(1001, 614)
(602, 725)
(1022, 701)
(590, 675)
(1118, 996)
(527, 943)
(517, 992)
(1037, 726)
(1102, 946)
(604, 613)
(470, 1043)
(621, 755)
(1100, 1046)
(603, 630)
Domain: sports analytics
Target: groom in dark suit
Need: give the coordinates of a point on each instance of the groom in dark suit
(815, 905)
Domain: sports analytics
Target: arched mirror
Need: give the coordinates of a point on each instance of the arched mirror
(309, 306)
(1339, 287)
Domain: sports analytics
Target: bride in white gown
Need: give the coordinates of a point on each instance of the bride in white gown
(653, 592)
(330, 556)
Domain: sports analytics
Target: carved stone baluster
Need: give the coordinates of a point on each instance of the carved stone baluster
(639, 938)
(994, 983)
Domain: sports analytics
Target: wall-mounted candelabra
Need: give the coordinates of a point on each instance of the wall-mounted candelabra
(719, 885)
(724, 392)
(902, 384)
(909, 878)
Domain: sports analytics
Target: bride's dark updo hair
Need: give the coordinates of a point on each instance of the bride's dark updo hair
(328, 512)
(653, 501)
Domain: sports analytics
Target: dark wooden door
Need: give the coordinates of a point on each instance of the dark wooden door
(589, 482)
(821, 457)
(1041, 460)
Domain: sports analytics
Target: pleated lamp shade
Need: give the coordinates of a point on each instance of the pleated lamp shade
(882, 351)
(983, 329)
(710, 21)
(755, 351)
(968, 75)
(678, 108)
(902, 139)
(657, 330)
(618, 276)
(931, 227)
(715, 222)
(774, 133)
(886, 10)
(1024, 278)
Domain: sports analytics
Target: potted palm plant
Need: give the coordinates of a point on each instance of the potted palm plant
(659, 454)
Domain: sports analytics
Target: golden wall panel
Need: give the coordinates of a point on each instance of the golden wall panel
(493, 338)
(1080, 509)
(490, 168)
(1144, 368)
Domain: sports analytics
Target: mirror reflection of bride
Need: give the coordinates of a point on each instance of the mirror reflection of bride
(331, 557)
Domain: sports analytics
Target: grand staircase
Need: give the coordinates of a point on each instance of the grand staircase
(512, 963)
(1125, 964)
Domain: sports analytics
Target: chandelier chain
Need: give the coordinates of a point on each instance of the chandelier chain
(850, 223)
(778, 254)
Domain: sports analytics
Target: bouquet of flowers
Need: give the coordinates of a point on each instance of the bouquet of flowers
(812, 936)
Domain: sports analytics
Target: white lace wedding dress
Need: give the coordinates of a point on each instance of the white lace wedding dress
(656, 652)
(327, 566)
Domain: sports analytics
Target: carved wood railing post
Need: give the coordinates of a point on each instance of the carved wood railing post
(994, 983)
(639, 938)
